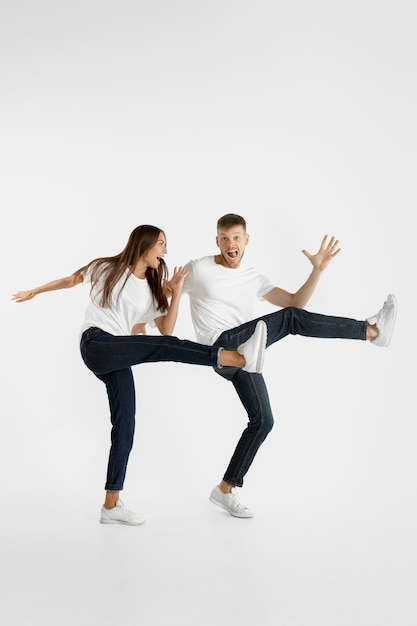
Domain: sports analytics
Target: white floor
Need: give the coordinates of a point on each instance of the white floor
(333, 542)
(297, 563)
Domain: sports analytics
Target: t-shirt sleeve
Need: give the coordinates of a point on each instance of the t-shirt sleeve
(188, 284)
(153, 316)
(265, 286)
(86, 274)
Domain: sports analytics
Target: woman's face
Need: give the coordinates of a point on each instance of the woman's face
(155, 253)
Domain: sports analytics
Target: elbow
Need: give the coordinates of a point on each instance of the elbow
(163, 328)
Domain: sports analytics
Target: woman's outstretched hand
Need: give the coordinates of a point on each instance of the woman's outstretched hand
(22, 296)
(175, 283)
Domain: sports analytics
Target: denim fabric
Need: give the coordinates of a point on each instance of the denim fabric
(110, 358)
(251, 388)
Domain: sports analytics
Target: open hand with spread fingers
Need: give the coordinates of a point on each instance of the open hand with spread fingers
(328, 250)
(176, 282)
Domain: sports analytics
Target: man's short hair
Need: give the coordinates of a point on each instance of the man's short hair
(231, 219)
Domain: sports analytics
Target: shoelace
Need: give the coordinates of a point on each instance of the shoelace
(385, 306)
(381, 318)
(127, 511)
(237, 505)
(378, 317)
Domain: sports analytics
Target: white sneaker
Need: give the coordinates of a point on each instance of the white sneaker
(254, 349)
(230, 503)
(385, 322)
(120, 515)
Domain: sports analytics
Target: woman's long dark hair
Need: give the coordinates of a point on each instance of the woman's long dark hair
(112, 268)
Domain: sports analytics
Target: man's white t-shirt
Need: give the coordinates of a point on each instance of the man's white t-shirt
(221, 298)
(135, 305)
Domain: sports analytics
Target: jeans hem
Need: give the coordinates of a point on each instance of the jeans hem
(234, 483)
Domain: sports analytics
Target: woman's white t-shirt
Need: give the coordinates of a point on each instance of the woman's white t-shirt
(221, 298)
(135, 305)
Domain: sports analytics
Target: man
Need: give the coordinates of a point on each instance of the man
(222, 291)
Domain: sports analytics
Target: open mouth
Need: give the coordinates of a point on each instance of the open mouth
(232, 254)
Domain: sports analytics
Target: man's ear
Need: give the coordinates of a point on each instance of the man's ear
(247, 239)
(217, 241)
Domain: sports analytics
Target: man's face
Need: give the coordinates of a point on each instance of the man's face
(232, 242)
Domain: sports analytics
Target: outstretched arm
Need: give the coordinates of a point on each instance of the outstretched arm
(166, 323)
(60, 283)
(328, 250)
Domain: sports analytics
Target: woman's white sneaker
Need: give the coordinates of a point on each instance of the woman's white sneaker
(385, 322)
(120, 515)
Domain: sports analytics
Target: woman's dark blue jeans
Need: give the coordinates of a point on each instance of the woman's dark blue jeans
(110, 358)
(251, 388)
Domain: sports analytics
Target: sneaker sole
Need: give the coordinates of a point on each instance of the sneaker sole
(388, 336)
(394, 301)
(112, 521)
(264, 336)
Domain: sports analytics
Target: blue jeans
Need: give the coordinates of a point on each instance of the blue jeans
(110, 358)
(251, 388)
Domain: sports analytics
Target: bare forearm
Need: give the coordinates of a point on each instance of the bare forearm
(60, 283)
(302, 296)
(167, 323)
(282, 298)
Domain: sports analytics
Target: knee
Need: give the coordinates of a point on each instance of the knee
(263, 423)
(267, 424)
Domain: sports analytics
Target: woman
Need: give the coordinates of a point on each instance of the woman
(129, 290)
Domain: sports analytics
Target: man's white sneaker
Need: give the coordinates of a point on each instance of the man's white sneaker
(230, 503)
(254, 349)
(120, 515)
(385, 322)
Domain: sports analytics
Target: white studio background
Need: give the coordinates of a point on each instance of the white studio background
(301, 117)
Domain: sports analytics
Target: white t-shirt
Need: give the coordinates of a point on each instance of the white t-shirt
(221, 298)
(135, 305)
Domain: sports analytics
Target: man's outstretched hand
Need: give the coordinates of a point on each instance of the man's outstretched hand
(328, 250)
